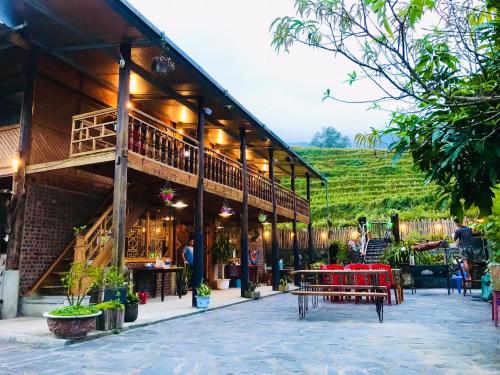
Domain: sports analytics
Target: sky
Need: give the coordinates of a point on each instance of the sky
(230, 40)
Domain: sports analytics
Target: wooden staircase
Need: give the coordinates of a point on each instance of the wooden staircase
(93, 247)
(375, 249)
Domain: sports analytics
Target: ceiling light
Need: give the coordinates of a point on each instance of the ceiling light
(179, 204)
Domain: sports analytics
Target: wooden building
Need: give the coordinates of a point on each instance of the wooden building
(99, 111)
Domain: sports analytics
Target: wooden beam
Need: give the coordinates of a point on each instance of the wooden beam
(121, 161)
(244, 215)
(295, 240)
(199, 246)
(275, 251)
(309, 224)
(18, 201)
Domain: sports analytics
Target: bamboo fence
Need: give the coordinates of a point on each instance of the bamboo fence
(322, 238)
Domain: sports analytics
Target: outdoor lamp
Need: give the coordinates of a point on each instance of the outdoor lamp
(15, 162)
(179, 204)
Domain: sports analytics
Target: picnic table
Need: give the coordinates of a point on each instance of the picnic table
(355, 283)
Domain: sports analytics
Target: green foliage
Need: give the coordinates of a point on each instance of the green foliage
(110, 305)
(203, 290)
(112, 277)
(448, 76)
(317, 265)
(343, 256)
(74, 310)
(79, 281)
(329, 137)
(79, 230)
(132, 298)
(364, 183)
(491, 230)
(222, 250)
(395, 255)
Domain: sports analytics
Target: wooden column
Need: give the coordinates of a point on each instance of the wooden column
(121, 161)
(244, 215)
(18, 201)
(309, 225)
(199, 247)
(275, 251)
(295, 240)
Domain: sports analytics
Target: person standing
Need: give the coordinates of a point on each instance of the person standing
(187, 252)
(463, 238)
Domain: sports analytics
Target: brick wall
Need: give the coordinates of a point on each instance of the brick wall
(54, 205)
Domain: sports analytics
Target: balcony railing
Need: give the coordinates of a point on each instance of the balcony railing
(96, 132)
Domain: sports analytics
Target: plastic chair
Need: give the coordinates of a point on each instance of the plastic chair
(359, 279)
(386, 281)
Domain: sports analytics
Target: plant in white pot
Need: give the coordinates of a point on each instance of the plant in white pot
(222, 252)
(76, 319)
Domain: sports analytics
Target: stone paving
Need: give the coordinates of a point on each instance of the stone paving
(430, 333)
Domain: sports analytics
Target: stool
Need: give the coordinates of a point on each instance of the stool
(494, 306)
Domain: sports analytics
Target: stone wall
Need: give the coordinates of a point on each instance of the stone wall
(54, 205)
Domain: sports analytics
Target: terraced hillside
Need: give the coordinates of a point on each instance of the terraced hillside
(361, 183)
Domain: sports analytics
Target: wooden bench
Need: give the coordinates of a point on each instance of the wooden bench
(356, 291)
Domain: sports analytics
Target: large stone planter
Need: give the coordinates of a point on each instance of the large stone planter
(495, 275)
(71, 327)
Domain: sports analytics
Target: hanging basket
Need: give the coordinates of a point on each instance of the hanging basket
(167, 194)
(162, 64)
(262, 218)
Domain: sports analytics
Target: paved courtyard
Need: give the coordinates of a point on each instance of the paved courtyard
(430, 333)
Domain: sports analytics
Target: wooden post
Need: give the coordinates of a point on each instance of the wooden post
(275, 251)
(121, 161)
(199, 247)
(244, 215)
(295, 240)
(18, 201)
(309, 225)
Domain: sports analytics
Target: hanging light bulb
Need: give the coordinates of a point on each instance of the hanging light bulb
(225, 210)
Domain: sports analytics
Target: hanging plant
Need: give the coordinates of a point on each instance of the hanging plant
(167, 194)
(262, 217)
(163, 64)
(225, 210)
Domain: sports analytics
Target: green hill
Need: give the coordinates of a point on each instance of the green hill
(362, 183)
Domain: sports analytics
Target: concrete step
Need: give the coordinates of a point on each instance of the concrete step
(37, 305)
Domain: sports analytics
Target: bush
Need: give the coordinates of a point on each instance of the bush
(110, 305)
(74, 310)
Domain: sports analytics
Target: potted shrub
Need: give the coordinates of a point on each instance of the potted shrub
(283, 287)
(110, 286)
(251, 292)
(131, 304)
(222, 252)
(75, 320)
(112, 317)
(203, 296)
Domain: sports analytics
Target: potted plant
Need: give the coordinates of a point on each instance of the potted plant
(76, 319)
(222, 252)
(112, 317)
(283, 287)
(131, 304)
(251, 292)
(110, 285)
(203, 296)
(262, 218)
